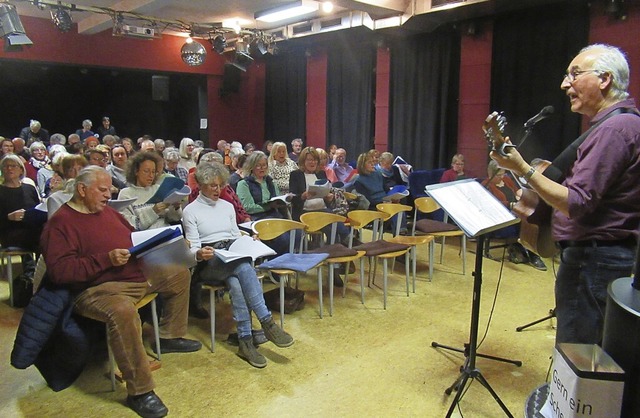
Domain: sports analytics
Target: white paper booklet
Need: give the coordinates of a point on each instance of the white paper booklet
(319, 190)
(177, 196)
(245, 247)
(118, 204)
(284, 198)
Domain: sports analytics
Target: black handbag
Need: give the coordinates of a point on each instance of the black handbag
(22, 290)
(293, 299)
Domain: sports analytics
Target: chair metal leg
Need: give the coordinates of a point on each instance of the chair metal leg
(432, 246)
(331, 277)
(320, 301)
(212, 316)
(10, 279)
(112, 364)
(407, 261)
(282, 280)
(384, 282)
(156, 327)
(414, 261)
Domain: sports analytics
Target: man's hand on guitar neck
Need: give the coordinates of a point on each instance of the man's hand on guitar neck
(556, 195)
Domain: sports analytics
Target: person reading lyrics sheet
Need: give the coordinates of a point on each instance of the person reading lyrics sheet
(596, 208)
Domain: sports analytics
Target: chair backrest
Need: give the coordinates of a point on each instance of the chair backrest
(358, 219)
(391, 210)
(272, 228)
(426, 205)
(315, 221)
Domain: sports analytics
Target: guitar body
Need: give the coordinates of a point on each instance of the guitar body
(534, 213)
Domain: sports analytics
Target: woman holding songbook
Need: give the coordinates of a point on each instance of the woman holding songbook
(142, 175)
(205, 238)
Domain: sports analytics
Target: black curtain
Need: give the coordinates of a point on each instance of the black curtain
(286, 96)
(423, 123)
(61, 97)
(531, 51)
(351, 95)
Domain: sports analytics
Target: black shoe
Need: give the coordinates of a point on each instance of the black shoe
(517, 254)
(178, 345)
(537, 262)
(147, 405)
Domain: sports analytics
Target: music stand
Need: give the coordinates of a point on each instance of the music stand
(477, 212)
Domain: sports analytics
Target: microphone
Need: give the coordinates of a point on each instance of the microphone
(544, 113)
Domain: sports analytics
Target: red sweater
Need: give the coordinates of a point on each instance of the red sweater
(76, 248)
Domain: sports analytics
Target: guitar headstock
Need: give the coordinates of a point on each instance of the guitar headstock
(493, 128)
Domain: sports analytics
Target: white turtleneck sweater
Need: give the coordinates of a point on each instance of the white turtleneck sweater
(207, 221)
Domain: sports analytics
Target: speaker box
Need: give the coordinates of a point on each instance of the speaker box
(160, 88)
(231, 79)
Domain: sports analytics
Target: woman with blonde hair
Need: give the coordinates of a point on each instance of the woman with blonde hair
(186, 159)
(281, 166)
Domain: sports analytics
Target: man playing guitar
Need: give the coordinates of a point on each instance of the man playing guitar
(596, 209)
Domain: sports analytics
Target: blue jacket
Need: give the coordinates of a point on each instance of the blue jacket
(53, 339)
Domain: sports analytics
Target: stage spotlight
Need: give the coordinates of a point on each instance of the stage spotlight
(193, 53)
(219, 44)
(62, 19)
(11, 28)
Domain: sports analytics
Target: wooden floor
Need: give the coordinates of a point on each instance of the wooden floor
(362, 362)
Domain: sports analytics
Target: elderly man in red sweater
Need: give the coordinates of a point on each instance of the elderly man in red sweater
(109, 282)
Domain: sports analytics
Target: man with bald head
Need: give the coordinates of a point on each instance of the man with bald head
(109, 283)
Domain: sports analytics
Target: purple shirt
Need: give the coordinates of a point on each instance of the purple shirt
(604, 182)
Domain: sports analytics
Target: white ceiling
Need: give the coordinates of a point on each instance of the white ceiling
(202, 11)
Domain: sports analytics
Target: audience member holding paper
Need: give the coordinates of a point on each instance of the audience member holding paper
(109, 282)
(370, 183)
(256, 192)
(392, 173)
(312, 189)
(206, 238)
(141, 175)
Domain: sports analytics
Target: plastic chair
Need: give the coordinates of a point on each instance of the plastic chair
(6, 255)
(150, 298)
(396, 209)
(437, 229)
(378, 248)
(268, 229)
(314, 222)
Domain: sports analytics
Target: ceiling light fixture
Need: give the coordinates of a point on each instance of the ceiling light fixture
(11, 28)
(287, 11)
(193, 53)
(327, 7)
(219, 43)
(62, 19)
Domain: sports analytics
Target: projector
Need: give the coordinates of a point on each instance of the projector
(139, 31)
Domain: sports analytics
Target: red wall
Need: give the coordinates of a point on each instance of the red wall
(383, 76)
(317, 98)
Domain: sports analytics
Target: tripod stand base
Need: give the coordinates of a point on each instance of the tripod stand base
(466, 353)
(552, 314)
(464, 377)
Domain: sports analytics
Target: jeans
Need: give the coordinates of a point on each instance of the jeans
(244, 288)
(581, 290)
(114, 304)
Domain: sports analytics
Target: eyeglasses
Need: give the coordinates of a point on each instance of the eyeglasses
(214, 186)
(575, 73)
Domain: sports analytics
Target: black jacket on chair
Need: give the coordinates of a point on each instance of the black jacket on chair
(298, 185)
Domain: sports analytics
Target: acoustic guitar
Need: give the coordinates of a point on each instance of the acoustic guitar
(534, 213)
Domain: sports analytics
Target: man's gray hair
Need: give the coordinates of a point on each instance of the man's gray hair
(88, 176)
(613, 61)
(171, 155)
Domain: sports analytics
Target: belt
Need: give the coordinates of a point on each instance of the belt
(594, 243)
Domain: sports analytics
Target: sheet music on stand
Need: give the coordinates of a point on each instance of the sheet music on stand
(472, 207)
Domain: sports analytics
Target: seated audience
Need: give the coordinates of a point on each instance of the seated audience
(255, 191)
(370, 183)
(142, 173)
(456, 172)
(503, 187)
(171, 160)
(47, 171)
(205, 237)
(34, 132)
(343, 171)
(296, 148)
(85, 131)
(390, 173)
(6, 147)
(281, 166)
(186, 148)
(322, 165)
(266, 147)
(117, 168)
(15, 198)
(127, 143)
(238, 174)
(109, 282)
